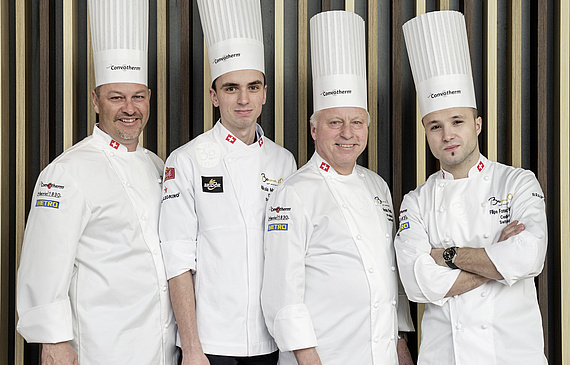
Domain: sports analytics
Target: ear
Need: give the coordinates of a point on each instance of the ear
(149, 92)
(478, 125)
(264, 94)
(95, 101)
(313, 132)
(214, 97)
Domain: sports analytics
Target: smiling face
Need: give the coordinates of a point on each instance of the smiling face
(340, 136)
(123, 110)
(452, 137)
(240, 96)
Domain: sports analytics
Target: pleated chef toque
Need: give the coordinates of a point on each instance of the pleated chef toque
(338, 60)
(119, 34)
(439, 57)
(233, 34)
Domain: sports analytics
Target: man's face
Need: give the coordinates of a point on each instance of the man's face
(340, 136)
(240, 96)
(452, 137)
(123, 110)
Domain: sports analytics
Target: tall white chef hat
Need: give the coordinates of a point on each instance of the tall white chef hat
(338, 59)
(119, 34)
(234, 35)
(439, 57)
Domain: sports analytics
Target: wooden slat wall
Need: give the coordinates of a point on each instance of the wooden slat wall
(409, 160)
(4, 185)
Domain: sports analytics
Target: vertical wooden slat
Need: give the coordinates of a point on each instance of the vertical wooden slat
(396, 102)
(69, 70)
(542, 146)
(491, 78)
(45, 94)
(91, 115)
(185, 67)
(21, 145)
(515, 63)
(279, 72)
(372, 47)
(325, 5)
(208, 106)
(468, 13)
(303, 118)
(443, 4)
(420, 163)
(564, 174)
(4, 184)
(162, 78)
(349, 5)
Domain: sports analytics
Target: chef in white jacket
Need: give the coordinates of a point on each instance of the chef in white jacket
(473, 236)
(215, 192)
(331, 290)
(91, 284)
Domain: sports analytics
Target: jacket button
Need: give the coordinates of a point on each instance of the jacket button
(484, 294)
(387, 235)
(459, 326)
(486, 178)
(484, 326)
(393, 268)
(486, 235)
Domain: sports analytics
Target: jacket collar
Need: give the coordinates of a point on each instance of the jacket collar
(109, 143)
(475, 170)
(231, 141)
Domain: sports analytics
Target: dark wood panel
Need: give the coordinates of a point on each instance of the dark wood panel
(326, 5)
(185, 67)
(396, 107)
(45, 115)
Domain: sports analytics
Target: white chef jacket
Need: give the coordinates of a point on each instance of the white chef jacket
(330, 277)
(213, 209)
(91, 270)
(498, 322)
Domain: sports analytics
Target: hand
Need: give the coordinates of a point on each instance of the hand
(437, 255)
(512, 229)
(308, 356)
(195, 359)
(59, 354)
(404, 356)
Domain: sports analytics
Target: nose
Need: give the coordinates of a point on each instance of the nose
(128, 107)
(346, 131)
(243, 97)
(448, 134)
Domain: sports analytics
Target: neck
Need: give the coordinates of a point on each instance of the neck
(246, 135)
(461, 171)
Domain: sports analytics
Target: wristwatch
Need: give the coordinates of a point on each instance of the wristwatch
(449, 255)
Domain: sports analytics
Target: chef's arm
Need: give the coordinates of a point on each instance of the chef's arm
(404, 355)
(184, 306)
(308, 356)
(465, 282)
(60, 353)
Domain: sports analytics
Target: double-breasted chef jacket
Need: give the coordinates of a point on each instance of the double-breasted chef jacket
(91, 269)
(213, 209)
(499, 322)
(330, 277)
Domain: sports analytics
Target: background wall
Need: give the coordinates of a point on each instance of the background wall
(520, 56)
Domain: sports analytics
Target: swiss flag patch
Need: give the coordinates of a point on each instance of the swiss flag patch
(480, 166)
(114, 144)
(260, 142)
(325, 167)
(230, 138)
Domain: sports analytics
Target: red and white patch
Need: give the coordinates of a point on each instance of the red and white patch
(260, 142)
(231, 139)
(443, 174)
(165, 190)
(169, 174)
(325, 167)
(114, 144)
(480, 166)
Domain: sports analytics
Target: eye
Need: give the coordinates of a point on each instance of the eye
(254, 87)
(116, 98)
(434, 127)
(458, 121)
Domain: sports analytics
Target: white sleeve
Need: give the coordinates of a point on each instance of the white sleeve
(287, 236)
(522, 256)
(424, 281)
(56, 221)
(178, 223)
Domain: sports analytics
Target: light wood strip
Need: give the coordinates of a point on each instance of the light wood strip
(443, 4)
(279, 72)
(303, 117)
(564, 168)
(69, 71)
(161, 91)
(491, 79)
(372, 25)
(515, 63)
(349, 5)
(91, 115)
(420, 164)
(21, 144)
(208, 106)
(4, 183)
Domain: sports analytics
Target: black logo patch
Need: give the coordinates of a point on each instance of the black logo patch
(213, 184)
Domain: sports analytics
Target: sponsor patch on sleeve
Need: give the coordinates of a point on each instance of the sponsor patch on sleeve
(47, 203)
(403, 227)
(277, 227)
(169, 174)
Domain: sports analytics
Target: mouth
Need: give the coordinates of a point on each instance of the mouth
(451, 148)
(243, 111)
(129, 120)
(341, 145)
